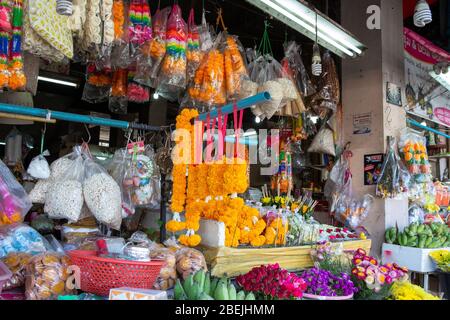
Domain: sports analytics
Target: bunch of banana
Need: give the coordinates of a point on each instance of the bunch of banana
(202, 287)
(430, 236)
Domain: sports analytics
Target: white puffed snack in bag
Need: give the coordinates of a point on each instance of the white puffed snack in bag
(37, 195)
(39, 168)
(102, 195)
(64, 200)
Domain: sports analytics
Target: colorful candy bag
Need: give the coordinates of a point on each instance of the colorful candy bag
(5, 30)
(413, 150)
(137, 93)
(172, 77)
(394, 179)
(14, 201)
(140, 25)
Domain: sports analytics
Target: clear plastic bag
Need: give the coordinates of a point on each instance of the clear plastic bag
(149, 62)
(393, 180)
(98, 84)
(189, 262)
(144, 169)
(119, 169)
(413, 150)
(21, 238)
(293, 52)
(235, 66)
(208, 88)
(39, 168)
(64, 198)
(193, 53)
(416, 214)
(16, 263)
(168, 274)
(137, 93)
(352, 212)
(14, 200)
(47, 276)
(120, 54)
(102, 195)
(172, 76)
(323, 142)
(140, 26)
(329, 95)
(118, 100)
(339, 182)
(206, 39)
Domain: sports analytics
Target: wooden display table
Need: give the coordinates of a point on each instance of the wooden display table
(232, 262)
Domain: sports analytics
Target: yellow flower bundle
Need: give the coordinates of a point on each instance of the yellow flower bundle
(235, 177)
(405, 290)
(215, 179)
(276, 232)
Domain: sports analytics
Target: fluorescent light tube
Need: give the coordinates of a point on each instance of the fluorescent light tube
(2, 143)
(442, 78)
(301, 17)
(61, 82)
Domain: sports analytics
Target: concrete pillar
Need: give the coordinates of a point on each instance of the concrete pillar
(364, 83)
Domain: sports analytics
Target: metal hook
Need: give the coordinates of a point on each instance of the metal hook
(89, 134)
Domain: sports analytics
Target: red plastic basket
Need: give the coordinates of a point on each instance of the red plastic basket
(99, 275)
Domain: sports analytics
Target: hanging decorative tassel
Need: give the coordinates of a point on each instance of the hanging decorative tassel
(64, 7)
(17, 80)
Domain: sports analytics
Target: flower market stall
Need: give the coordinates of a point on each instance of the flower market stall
(170, 158)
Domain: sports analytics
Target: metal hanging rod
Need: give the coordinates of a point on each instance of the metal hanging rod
(73, 117)
(241, 105)
(417, 124)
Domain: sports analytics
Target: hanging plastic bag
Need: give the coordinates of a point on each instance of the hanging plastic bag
(118, 101)
(393, 180)
(329, 95)
(140, 26)
(172, 77)
(149, 62)
(352, 212)
(208, 87)
(323, 142)
(339, 182)
(14, 201)
(39, 168)
(137, 93)
(98, 84)
(102, 195)
(16, 262)
(120, 55)
(193, 52)
(249, 86)
(413, 150)
(64, 198)
(235, 67)
(293, 52)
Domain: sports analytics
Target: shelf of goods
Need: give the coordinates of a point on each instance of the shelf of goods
(232, 262)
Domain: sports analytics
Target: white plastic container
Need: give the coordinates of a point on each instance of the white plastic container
(415, 259)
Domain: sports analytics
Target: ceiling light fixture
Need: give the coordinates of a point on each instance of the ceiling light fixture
(300, 16)
(422, 14)
(56, 81)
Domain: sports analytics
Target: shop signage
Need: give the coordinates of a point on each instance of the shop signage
(362, 123)
(425, 97)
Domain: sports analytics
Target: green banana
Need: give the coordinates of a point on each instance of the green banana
(388, 237)
(428, 242)
(199, 278)
(207, 286)
(232, 295)
(203, 296)
(179, 292)
(188, 284)
(214, 284)
(404, 239)
(194, 293)
(420, 229)
(422, 240)
(221, 292)
(240, 296)
(250, 296)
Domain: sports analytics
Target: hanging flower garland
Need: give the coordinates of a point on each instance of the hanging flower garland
(17, 80)
(118, 12)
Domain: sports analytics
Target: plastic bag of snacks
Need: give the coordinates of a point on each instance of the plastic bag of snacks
(120, 169)
(329, 96)
(413, 150)
(144, 169)
(189, 262)
(39, 168)
(249, 86)
(208, 88)
(14, 201)
(172, 77)
(293, 52)
(193, 52)
(21, 238)
(149, 62)
(118, 100)
(323, 142)
(98, 84)
(64, 198)
(206, 39)
(16, 263)
(393, 180)
(168, 274)
(47, 276)
(137, 93)
(102, 195)
(352, 212)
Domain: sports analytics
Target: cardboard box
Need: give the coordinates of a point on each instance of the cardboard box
(136, 294)
(415, 259)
